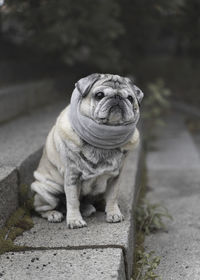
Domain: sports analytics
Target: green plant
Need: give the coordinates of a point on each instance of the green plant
(149, 217)
(74, 31)
(156, 102)
(146, 264)
(18, 222)
(156, 105)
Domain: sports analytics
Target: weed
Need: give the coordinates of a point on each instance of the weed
(156, 106)
(157, 101)
(149, 217)
(146, 264)
(18, 222)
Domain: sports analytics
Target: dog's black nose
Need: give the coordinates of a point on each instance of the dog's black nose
(118, 97)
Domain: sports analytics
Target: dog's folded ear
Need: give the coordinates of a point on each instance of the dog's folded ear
(137, 91)
(139, 94)
(85, 84)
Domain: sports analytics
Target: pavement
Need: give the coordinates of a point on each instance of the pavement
(21, 142)
(174, 181)
(95, 239)
(99, 251)
(102, 250)
(90, 264)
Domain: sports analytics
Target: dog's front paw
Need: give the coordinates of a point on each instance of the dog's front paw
(54, 216)
(76, 223)
(113, 217)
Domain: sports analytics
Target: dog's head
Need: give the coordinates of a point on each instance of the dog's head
(109, 99)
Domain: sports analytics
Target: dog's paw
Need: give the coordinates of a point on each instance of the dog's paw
(87, 210)
(76, 223)
(54, 216)
(114, 217)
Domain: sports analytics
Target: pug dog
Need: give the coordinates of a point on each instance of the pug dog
(85, 150)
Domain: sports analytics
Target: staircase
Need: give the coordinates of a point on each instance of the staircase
(100, 251)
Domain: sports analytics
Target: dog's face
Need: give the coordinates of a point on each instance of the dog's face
(109, 99)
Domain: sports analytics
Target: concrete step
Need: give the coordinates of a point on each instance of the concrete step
(8, 192)
(108, 245)
(90, 264)
(102, 250)
(19, 99)
(21, 142)
(174, 179)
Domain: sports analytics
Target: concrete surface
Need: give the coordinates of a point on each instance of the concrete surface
(8, 192)
(98, 232)
(174, 180)
(18, 99)
(21, 139)
(21, 142)
(90, 264)
(100, 251)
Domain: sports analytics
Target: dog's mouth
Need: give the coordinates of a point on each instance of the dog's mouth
(115, 116)
(114, 111)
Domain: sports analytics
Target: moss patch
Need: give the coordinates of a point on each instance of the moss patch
(18, 222)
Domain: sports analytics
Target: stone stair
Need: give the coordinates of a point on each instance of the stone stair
(174, 181)
(100, 251)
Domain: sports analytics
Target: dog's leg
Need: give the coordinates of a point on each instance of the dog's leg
(46, 210)
(45, 203)
(113, 213)
(72, 191)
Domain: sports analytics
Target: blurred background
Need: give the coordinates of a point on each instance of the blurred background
(148, 39)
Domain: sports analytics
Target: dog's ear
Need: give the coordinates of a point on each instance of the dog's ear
(139, 94)
(85, 84)
(137, 91)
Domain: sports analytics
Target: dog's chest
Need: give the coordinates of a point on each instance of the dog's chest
(98, 166)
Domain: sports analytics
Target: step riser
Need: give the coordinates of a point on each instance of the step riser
(28, 166)
(8, 192)
(9, 184)
(129, 187)
(19, 99)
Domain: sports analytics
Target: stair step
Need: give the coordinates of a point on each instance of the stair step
(111, 245)
(64, 264)
(8, 192)
(19, 99)
(174, 179)
(97, 235)
(21, 142)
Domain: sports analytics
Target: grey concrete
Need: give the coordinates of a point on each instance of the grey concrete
(174, 147)
(98, 232)
(21, 144)
(90, 264)
(174, 180)
(18, 99)
(8, 192)
(186, 108)
(196, 138)
(21, 139)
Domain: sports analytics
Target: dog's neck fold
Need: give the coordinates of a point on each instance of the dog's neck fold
(98, 135)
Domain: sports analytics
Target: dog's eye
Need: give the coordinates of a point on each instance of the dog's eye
(130, 98)
(99, 95)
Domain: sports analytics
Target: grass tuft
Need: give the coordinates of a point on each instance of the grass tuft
(18, 222)
(149, 217)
